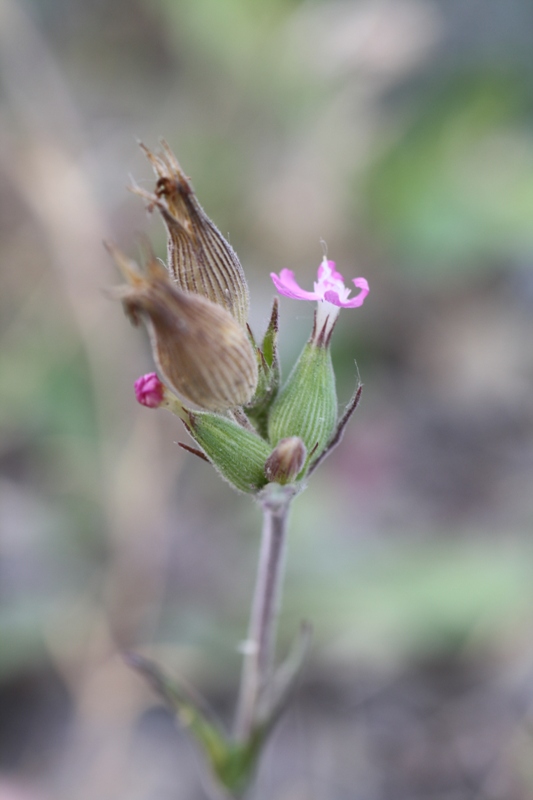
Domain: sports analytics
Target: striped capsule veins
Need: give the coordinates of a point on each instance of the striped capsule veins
(200, 259)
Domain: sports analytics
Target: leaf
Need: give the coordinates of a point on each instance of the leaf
(187, 708)
(231, 764)
(269, 373)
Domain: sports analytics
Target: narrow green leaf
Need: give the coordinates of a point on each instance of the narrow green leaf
(231, 764)
(187, 708)
(270, 339)
(269, 373)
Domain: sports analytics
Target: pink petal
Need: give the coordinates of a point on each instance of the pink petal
(286, 285)
(333, 275)
(333, 297)
(358, 300)
(149, 390)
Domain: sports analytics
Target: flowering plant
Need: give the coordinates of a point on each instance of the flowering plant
(265, 439)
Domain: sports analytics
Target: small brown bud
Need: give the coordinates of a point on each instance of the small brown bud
(286, 460)
(201, 351)
(200, 260)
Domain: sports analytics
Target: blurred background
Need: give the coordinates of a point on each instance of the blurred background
(401, 132)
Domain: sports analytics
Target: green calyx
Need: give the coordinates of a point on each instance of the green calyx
(307, 404)
(238, 454)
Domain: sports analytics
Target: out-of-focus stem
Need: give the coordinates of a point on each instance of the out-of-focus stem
(259, 648)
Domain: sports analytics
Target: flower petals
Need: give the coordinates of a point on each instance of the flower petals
(327, 270)
(329, 287)
(149, 390)
(359, 299)
(333, 297)
(286, 285)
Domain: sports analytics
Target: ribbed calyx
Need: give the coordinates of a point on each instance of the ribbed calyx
(204, 355)
(307, 405)
(238, 454)
(200, 259)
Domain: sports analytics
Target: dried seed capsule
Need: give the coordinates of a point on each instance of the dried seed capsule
(199, 257)
(202, 352)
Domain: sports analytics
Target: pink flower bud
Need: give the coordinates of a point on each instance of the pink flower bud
(149, 390)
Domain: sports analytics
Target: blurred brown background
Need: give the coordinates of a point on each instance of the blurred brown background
(400, 131)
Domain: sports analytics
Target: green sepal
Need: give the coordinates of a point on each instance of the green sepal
(307, 404)
(269, 345)
(269, 373)
(238, 454)
(231, 764)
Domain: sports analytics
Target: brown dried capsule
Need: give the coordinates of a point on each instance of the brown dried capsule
(201, 351)
(200, 259)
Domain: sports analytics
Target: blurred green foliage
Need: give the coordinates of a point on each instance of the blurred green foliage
(455, 191)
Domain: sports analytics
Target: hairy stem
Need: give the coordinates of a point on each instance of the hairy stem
(259, 649)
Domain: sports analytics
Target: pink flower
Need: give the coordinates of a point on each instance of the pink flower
(330, 286)
(330, 291)
(149, 390)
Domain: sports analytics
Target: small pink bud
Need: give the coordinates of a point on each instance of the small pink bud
(149, 390)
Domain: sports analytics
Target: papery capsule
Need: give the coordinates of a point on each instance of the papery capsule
(202, 352)
(199, 258)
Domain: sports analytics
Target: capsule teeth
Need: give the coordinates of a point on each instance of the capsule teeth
(200, 259)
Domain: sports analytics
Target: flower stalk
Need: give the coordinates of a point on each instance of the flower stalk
(259, 648)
